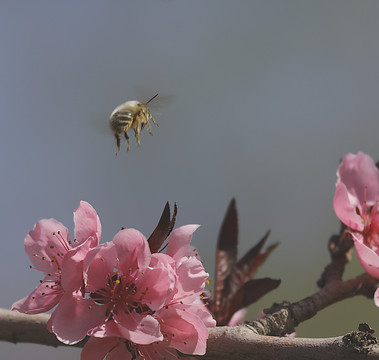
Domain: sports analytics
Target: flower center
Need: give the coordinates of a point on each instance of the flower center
(370, 218)
(121, 295)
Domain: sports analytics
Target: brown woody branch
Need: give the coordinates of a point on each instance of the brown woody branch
(282, 318)
(232, 343)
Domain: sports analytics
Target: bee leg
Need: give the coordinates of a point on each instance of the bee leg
(152, 119)
(127, 140)
(148, 126)
(118, 142)
(136, 133)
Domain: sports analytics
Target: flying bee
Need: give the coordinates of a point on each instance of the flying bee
(131, 115)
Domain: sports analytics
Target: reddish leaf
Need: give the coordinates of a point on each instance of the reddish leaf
(243, 269)
(172, 222)
(259, 260)
(249, 293)
(163, 229)
(249, 264)
(226, 253)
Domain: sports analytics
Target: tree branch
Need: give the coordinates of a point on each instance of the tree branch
(233, 343)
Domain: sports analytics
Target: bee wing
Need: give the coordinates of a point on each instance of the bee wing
(159, 103)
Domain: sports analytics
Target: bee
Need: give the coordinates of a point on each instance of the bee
(134, 115)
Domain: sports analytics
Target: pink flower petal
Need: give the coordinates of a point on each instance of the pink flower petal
(203, 314)
(185, 331)
(179, 241)
(42, 299)
(72, 267)
(98, 348)
(367, 257)
(158, 281)
(74, 317)
(99, 263)
(192, 275)
(376, 297)
(237, 317)
(159, 351)
(358, 172)
(345, 211)
(46, 244)
(132, 249)
(121, 353)
(138, 328)
(87, 224)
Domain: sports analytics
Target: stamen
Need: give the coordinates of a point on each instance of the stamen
(62, 240)
(54, 259)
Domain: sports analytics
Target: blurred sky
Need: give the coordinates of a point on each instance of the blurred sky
(267, 98)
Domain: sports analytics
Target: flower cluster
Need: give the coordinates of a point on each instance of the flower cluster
(356, 202)
(132, 302)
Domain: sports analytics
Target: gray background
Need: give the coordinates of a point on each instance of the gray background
(267, 97)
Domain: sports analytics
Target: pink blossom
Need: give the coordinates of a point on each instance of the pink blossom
(124, 287)
(356, 205)
(184, 328)
(181, 316)
(51, 251)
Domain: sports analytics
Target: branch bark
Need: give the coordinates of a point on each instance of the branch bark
(234, 343)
